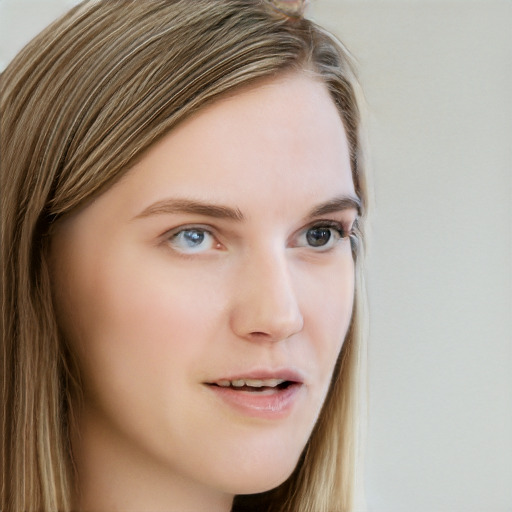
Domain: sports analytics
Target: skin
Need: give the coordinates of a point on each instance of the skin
(152, 319)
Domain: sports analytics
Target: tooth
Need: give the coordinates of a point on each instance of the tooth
(269, 383)
(255, 383)
(272, 383)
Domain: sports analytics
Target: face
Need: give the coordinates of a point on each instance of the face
(207, 294)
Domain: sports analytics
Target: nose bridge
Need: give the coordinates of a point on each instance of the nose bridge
(267, 306)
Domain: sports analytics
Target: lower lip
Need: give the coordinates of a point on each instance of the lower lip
(251, 403)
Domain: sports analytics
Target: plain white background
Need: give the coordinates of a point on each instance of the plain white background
(438, 81)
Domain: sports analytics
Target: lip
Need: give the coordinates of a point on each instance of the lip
(275, 405)
(264, 374)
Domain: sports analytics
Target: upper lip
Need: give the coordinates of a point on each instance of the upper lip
(285, 374)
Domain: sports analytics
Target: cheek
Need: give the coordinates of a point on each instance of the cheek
(328, 305)
(134, 325)
(329, 295)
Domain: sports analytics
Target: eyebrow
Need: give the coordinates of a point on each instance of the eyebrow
(337, 204)
(169, 206)
(173, 206)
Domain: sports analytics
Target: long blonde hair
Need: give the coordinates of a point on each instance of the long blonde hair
(79, 104)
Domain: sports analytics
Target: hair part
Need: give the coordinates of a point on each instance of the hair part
(80, 104)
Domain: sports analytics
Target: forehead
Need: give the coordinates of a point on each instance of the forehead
(281, 140)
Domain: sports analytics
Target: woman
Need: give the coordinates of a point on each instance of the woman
(182, 204)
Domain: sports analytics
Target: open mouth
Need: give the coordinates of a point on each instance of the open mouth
(266, 386)
(265, 397)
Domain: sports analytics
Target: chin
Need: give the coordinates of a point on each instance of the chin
(261, 479)
(257, 486)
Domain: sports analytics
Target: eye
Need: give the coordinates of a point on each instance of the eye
(192, 240)
(322, 236)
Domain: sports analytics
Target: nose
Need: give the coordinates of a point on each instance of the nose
(265, 306)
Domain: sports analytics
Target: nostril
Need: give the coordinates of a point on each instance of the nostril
(259, 334)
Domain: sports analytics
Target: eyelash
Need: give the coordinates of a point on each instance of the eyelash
(337, 227)
(340, 234)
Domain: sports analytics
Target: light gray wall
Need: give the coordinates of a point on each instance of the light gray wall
(438, 81)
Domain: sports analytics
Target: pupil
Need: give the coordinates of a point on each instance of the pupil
(193, 237)
(317, 237)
